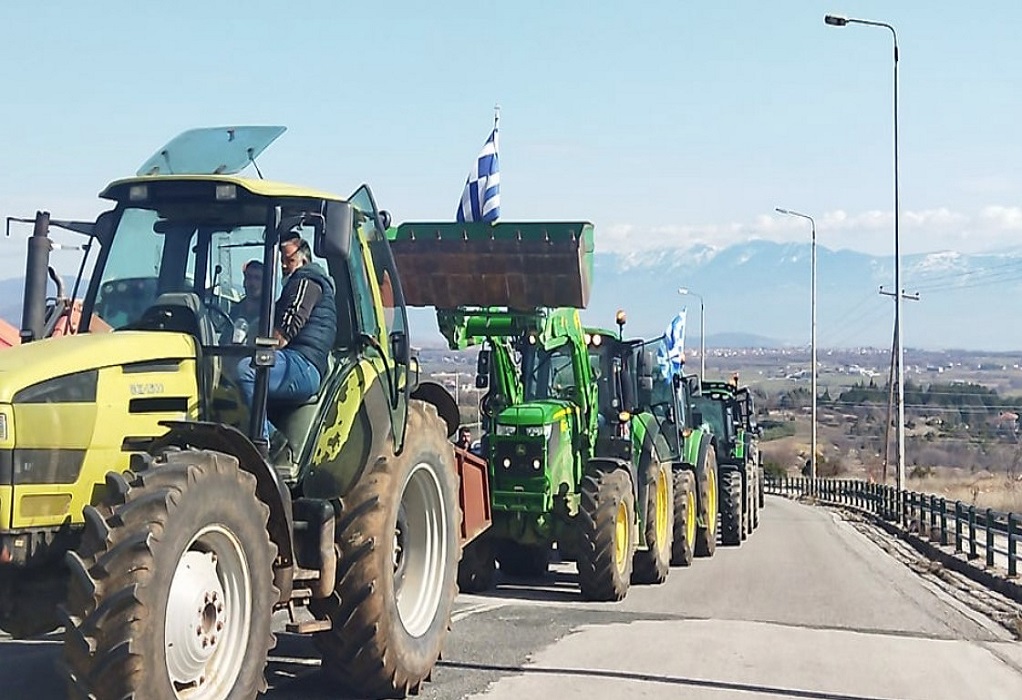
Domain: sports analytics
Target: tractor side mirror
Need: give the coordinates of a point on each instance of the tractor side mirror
(483, 369)
(104, 227)
(333, 237)
(646, 361)
(399, 345)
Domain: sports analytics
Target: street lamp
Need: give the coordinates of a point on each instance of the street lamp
(841, 22)
(812, 223)
(702, 331)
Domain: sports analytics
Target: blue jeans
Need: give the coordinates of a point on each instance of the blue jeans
(292, 378)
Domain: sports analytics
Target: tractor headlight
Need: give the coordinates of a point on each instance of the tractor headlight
(505, 430)
(3, 427)
(536, 464)
(538, 430)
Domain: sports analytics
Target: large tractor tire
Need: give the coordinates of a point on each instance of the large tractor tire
(653, 563)
(732, 523)
(475, 570)
(762, 485)
(523, 560)
(171, 592)
(29, 599)
(606, 518)
(706, 534)
(686, 513)
(397, 573)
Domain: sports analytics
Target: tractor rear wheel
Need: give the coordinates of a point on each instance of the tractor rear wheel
(171, 592)
(686, 511)
(706, 536)
(731, 519)
(606, 518)
(653, 563)
(475, 571)
(397, 574)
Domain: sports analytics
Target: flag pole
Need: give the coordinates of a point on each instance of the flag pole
(496, 116)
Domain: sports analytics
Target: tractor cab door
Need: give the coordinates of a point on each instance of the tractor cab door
(383, 318)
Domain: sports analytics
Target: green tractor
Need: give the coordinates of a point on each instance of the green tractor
(664, 432)
(730, 411)
(561, 470)
(134, 452)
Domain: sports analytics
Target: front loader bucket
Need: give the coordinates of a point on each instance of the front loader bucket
(514, 265)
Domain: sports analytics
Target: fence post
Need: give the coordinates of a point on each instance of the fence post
(933, 516)
(958, 527)
(943, 521)
(1012, 549)
(904, 515)
(988, 521)
(972, 532)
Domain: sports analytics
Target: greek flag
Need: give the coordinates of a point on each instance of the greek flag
(671, 352)
(481, 199)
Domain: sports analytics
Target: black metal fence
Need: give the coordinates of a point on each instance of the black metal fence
(975, 532)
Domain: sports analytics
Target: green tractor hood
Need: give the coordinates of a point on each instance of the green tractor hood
(535, 413)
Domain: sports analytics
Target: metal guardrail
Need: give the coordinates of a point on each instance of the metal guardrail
(975, 532)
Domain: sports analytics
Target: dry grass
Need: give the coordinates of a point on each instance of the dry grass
(982, 489)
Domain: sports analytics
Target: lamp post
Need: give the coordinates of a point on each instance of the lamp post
(841, 22)
(702, 331)
(812, 223)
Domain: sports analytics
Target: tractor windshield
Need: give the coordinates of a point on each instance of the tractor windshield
(198, 249)
(549, 373)
(713, 414)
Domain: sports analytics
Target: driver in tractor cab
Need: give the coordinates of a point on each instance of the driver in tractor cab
(305, 326)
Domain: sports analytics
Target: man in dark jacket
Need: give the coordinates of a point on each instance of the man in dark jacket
(305, 326)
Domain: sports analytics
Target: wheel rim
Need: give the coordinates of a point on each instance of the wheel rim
(621, 536)
(209, 616)
(420, 566)
(690, 517)
(663, 527)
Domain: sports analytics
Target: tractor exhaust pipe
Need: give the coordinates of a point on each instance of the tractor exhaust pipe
(33, 314)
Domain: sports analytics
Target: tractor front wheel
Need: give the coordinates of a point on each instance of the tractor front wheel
(686, 513)
(706, 537)
(172, 591)
(606, 518)
(653, 563)
(732, 523)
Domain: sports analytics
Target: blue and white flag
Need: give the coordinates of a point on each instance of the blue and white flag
(481, 199)
(671, 352)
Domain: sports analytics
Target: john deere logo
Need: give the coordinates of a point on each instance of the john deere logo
(520, 450)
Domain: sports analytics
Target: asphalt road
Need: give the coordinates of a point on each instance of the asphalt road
(807, 608)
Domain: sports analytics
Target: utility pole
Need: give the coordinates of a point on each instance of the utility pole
(898, 359)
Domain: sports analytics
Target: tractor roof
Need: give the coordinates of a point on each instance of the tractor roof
(120, 189)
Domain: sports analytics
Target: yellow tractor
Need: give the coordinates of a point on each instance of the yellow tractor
(135, 450)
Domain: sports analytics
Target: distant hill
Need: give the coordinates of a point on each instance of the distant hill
(757, 294)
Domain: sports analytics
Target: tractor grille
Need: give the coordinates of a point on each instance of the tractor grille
(518, 459)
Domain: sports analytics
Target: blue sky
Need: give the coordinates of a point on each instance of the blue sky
(664, 123)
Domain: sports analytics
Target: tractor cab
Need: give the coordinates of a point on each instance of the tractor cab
(174, 251)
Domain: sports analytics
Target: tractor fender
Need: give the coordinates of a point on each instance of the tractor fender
(269, 488)
(609, 464)
(446, 408)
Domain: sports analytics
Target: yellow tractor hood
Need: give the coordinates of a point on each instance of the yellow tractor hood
(25, 365)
